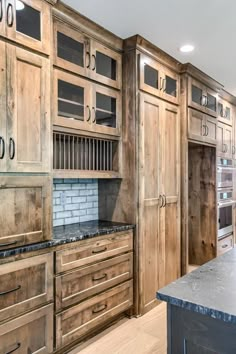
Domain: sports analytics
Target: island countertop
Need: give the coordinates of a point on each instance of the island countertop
(209, 290)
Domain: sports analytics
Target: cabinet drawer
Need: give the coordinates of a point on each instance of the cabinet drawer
(94, 251)
(74, 287)
(77, 321)
(25, 284)
(32, 333)
(225, 245)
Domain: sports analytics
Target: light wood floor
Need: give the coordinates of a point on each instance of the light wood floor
(143, 335)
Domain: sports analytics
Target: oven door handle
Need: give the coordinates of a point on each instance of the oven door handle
(225, 204)
(225, 169)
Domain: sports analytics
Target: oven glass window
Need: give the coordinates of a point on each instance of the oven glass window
(225, 217)
(226, 178)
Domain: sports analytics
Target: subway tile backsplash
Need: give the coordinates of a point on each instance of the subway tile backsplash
(74, 200)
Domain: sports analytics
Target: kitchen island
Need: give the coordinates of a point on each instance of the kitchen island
(201, 310)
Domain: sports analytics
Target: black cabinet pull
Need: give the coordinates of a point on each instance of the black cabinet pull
(233, 150)
(162, 201)
(10, 291)
(100, 310)
(164, 196)
(1, 10)
(89, 60)
(161, 84)
(207, 130)
(10, 19)
(99, 278)
(224, 246)
(164, 85)
(99, 251)
(12, 149)
(94, 117)
(8, 244)
(2, 142)
(89, 114)
(94, 64)
(13, 350)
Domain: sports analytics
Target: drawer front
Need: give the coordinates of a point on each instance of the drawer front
(74, 287)
(94, 251)
(25, 284)
(225, 245)
(79, 320)
(32, 333)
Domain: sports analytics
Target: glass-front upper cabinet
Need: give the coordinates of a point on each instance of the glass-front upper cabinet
(158, 80)
(71, 101)
(202, 97)
(28, 22)
(225, 112)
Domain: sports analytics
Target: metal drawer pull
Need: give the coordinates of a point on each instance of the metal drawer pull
(89, 114)
(94, 65)
(10, 20)
(1, 11)
(3, 147)
(13, 350)
(162, 201)
(164, 196)
(10, 291)
(89, 60)
(100, 310)
(164, 85)
(12, 149)
(99, 278)
(94, 110)
(99, 251)
(8, 244)
(225, 245)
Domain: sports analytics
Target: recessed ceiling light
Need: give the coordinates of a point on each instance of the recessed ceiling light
(187, 48)
(19, 5)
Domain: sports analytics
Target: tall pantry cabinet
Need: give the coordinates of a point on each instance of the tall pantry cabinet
(149, 193)
(25, 123)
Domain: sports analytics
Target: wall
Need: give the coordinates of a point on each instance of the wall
(74, 200)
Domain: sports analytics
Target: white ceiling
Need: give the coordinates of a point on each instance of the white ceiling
(208, 24)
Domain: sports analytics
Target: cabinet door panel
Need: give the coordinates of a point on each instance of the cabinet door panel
(196, 91)
(2, 18)
(195, 125)
(25, 210)
(106, 65)
(211, 103)
(220, 139)
(211, 130)
(3, 112)
(225, 112)
(228, 139)
(150, 79)
(170, 89)
(28, 23)
(28, 104)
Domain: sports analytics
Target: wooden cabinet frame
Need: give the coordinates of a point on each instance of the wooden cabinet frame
(224, 147)
(205, 130)
(225, 105)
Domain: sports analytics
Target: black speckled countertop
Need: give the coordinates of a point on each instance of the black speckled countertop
(71, 233)
(209, 290)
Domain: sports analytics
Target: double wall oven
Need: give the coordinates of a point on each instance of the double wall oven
(226, 201)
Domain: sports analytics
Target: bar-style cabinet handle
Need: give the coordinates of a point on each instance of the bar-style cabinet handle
(10, 15)
(89, 60)
(12, 148)
(2, 142)
(99, 251)
(94, 63)
(8, 244)
(94, 116)
(16, 348)
(224, 246)
(100, 310)
(1, 10)
(10, 291)
(99, 278)
(89, 114)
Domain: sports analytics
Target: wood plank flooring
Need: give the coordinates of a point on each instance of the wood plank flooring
(143, 335)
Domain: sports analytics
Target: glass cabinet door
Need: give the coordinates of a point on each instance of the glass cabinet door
(150, 78)
(211, 103)
(106, 65)
(170, 86)
(106, 110)
(71, 101)
(71, 49)
(28, 22)
(224, 112)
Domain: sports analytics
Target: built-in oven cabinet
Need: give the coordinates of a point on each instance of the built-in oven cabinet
(224, 140)
(225, 173)
(225, 112)
(202, 97)
(26, 22)
(82, 104)
(76, 52)
(156, 79)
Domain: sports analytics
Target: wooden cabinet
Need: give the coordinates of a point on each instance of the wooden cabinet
(224, 140)
(31, 333)
(159, 135)
(77, 321)
(81, 104)
(157, 80)
(225, 112)
(202, 97)
(202, 127)
(25, 120)
(25, 284)
(27, 22)
(25, 210)
(82, 55)
(224, 245)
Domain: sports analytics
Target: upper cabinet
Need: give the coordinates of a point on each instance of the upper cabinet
(26, 22)
(157, 80)
(225, 112)
(78, 53)
(202, 97)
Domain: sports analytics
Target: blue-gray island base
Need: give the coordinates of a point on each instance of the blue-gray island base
(201, 310)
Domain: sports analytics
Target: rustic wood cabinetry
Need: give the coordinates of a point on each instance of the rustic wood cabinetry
(225, 112)
(26, 22)
(201, 127)
(25, 210)
(224, 140)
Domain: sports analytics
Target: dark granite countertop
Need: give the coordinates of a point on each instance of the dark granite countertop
(209, 290)
(71, 233)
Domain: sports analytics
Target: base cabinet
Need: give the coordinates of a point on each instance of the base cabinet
(31, 333)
